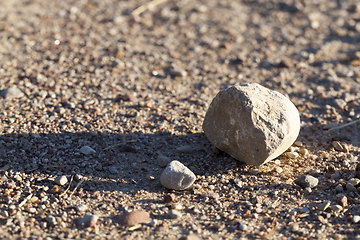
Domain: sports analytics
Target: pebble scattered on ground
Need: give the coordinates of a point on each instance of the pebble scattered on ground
(177, 176)
(307, 181)
(134, 218)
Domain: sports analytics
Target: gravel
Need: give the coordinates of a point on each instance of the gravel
(92, 74)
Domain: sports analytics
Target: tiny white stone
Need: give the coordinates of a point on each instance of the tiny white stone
(174, 214)
(61, 180)
(356, 218)
(278, 169)
(177, 176)
(87, 221)
(354, 181)
(87, 150)
(81, 208)
(242, 227)
(292, 155)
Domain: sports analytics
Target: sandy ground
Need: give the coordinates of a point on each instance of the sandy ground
(134, 87)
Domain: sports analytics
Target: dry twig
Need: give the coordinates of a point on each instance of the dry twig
(25, 200)
(67, 189)
(344, 125)
(81, 181)
(146, 7)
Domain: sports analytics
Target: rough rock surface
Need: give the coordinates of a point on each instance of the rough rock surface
(134, 218)
(307, 181)
(12, 92)
(177, 176)
(252, 123)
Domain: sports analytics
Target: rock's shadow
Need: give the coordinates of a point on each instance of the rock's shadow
(122, 162)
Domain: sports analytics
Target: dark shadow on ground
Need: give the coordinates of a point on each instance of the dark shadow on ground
(122, 162)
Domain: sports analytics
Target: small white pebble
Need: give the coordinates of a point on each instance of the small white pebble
(354, 181)
(292, 155)
(61, 180)
(304, 151)
(32, 210)
(356, 218)
(278, 169)
(174, 214)
(177, 206)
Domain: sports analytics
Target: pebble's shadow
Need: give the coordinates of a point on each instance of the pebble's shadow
(122, 162)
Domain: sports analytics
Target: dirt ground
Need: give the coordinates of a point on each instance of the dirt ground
(134, 84)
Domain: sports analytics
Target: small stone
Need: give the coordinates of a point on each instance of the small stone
(134, 218)
(32, 210)
(61, 180)
(307, 181)
(87, 150)
(356, 219)
(308, 190)
(298, 143)
(51, 220)
(286, 63)
(341, 147)
(354, 8)
(340, 103)
(294, 227)
(354, 181)
(321, 219)
(343, 201)
(304, 151)
(350, 187)
(177, 73)
(81, 208)
(174, 214)
(177, 206)
(168, 198)
(240, 124)
(177, 176)
(304, 210)
(292, 155)
(242, 227)
(339, 188)
(113, 170)
(12, 92)
(126, 97)
(336, 208)
(87, 221)
(163, 161)
(78, 177)
(186, 149)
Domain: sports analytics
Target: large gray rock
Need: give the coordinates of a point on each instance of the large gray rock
(177, 176)
(252, 123)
